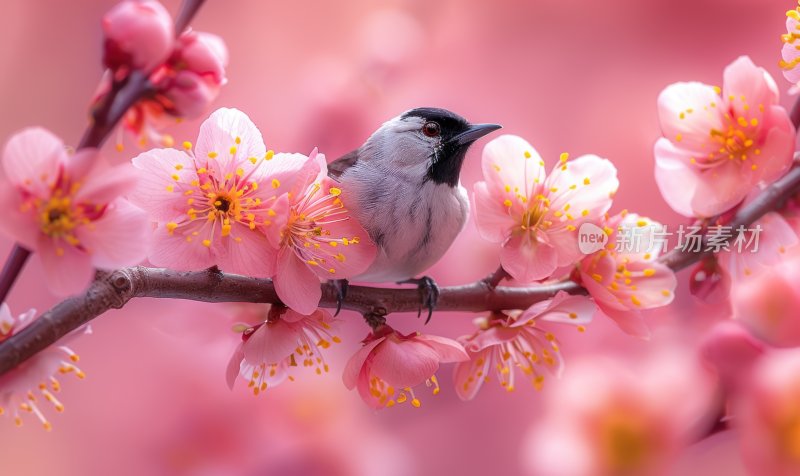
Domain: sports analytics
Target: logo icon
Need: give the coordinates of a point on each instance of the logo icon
(591, 238)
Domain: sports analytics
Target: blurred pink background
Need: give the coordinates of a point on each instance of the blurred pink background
(572, 76)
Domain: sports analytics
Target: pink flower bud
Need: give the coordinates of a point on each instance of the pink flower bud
(138, 35)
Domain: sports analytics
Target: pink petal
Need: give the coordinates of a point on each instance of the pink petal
(492, 217)
(693, 127)
(355, 364)
(119, 238)
(22, 227)
(271, 343)
(272, 231)
(774, 239)
(219, 134)
(404, 363)
(466, 389)
(675, 177)
(563, 308)
(364, 378)
(527, 261)
(777, 150)
(732, 351)
(719, 189)
(82, 163)
(156, 168)
(448, 349)
(743, 78)
(631, 322)
(252, 256)
(32, 159)
(66, 273)
(180, 250)
(235, 362)
(586, 186)
(107, 185)
(511, 161)
(296, 285)
(495, 335)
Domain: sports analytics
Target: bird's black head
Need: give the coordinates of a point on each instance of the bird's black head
(450, 136)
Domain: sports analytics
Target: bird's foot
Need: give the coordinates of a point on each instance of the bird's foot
(429, 292)
(341, 286)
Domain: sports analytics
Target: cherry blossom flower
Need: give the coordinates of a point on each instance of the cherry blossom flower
(610, 418)
(68, 210)
(317, 238)
(768, 416)
(732, 352)
(185, 85)
(22, 387)
(536, 218)
(271, 348)
(390, 364)
(720, 143)
(768, 304)
(211, 201)
(138, 35)
(523, 340)
(627, 280)
(791, 47)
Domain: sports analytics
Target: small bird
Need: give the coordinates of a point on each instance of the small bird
(403, 187)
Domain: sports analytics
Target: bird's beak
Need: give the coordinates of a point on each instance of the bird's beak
(475, 132)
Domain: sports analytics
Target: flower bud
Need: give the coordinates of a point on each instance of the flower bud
(198, 66)
(138, 35)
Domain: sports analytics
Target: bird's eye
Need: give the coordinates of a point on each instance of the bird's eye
(431, 129)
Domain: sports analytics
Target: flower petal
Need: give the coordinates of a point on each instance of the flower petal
(230, 137)
(526, 260)
(271, 343)
(67, 270)
(492, 217)
(510, 161)
(33, 158)
(404, 362)
(119, 238)
(356, 363)
(296, 285)
(157, 191)
(448, 349)
(234, 364)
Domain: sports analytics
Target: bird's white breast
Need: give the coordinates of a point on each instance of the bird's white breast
(412, 221)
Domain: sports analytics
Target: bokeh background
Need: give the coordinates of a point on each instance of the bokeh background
(572, 76)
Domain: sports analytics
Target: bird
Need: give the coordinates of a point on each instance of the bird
(403, 187)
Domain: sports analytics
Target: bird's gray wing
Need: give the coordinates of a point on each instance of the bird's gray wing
(338, 166)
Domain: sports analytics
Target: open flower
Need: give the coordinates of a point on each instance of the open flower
(22, 387)
(287, 339)
(791, 47)
(522, 340)
(613, 418)
(317, 238)
(720, 143)
(68, 209)
(211, 201)
(536, 218)
(625, 278)
(390, 364)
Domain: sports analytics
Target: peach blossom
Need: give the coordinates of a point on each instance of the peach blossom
(20, 387)
(719, 144)
(69, 210)
(390, 364)
(627, 281)
(316, 237)
(287, 339)
(523, 340)
(536, 217)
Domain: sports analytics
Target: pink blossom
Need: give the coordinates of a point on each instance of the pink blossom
(719, 144)
(536, 217)
(626, 281)
(768, 304)
(317, 238)
(791, 47)
(768, 415)
(138, 35)
(732, 352)
(271, 348)
(522, 340)
(390, 364)
(757, 248)
(186, 85)
(68, 210)
(211, 202)
(21, 386)
(609, 418)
